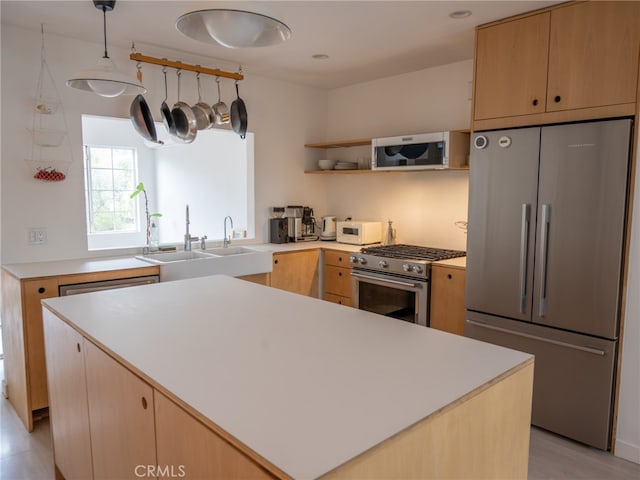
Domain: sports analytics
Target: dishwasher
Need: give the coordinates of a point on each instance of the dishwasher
(76, 288)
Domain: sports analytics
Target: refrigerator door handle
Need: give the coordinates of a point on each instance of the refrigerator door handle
(524, 255)
(544, 247)
(595, 351)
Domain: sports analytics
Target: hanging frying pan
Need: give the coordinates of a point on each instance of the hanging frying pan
(202, 111)
(142, 119)
(167, 119)
(239, 115)
(184, 119)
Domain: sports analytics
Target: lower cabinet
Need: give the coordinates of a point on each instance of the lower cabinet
(107, 423)
(187, 448)
(120, 415)
(296, 272)
(69, 409)
(337, 277)
(447, 298)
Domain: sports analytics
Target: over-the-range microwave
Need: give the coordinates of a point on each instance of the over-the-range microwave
(424, 151)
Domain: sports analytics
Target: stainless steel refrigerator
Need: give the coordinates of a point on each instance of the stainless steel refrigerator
(546, 233)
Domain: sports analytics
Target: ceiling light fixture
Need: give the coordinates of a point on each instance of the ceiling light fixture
(234, 28)
(104, 79)
(458, 14)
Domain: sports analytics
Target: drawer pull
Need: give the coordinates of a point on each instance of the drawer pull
(557, 98)
(535, 102)
(449, 276)
(41, 290)
(275, 261)
(339, 274)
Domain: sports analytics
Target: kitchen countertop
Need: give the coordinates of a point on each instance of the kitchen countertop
(308, 386)
(101, 264)
(70, 267)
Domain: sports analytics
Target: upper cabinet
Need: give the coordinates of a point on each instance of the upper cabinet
(511, 68)
(573, 62)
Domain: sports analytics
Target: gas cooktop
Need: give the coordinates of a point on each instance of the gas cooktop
(412, 252)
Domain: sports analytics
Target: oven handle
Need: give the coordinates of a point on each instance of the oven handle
(381, 281)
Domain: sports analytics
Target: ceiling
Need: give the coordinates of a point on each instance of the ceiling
(365, 40)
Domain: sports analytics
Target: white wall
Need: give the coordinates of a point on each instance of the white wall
(282, 115)
(422, 205)
(628, 429)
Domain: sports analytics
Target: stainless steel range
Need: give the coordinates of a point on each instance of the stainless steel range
(393, 280)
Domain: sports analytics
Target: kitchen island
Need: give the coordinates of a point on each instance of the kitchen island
(294, 386)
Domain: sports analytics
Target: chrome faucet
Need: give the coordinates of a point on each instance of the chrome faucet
(187, 236)
(227, 240)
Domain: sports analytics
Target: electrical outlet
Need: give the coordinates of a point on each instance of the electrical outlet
(37, 236)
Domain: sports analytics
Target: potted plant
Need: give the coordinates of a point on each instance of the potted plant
(140, 189)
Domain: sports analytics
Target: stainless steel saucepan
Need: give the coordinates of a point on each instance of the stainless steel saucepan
(220, 109)
(184, 119)
(203, 112)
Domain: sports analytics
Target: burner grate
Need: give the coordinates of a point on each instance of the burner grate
(412, 252)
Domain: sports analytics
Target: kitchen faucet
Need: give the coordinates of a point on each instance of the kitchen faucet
(187, 236)
(227, 240)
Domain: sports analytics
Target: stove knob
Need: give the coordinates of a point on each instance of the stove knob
(362, 261)
(407, 267)
(417, 268)
(383, 263)
(353, 259)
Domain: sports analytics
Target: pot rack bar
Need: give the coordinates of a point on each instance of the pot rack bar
(185, 66)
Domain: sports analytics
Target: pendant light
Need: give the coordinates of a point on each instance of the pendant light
(104, 79)
(233, 27)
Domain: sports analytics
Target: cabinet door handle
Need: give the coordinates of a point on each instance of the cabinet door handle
(144, 403)
(535, 102)
(78, 346)
(275, 261)
(339, 274)
(557, 98)
(449, 276)
(41, 290)
(340, 259)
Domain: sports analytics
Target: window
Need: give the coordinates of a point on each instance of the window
(110, 179)
(214, 175)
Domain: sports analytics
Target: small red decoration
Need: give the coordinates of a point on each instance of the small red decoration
(49, 174)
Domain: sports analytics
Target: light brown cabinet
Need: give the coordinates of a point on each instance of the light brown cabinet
(447, 298)
(69, 409)
(121, 417)
(296, 272)
(571, 62)
(337, 277)
(23, 338)
(190, 449)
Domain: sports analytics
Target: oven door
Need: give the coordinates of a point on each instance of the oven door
(391, 295)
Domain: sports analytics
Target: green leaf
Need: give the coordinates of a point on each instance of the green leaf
(139, 189)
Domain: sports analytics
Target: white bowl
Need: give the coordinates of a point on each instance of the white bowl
(326, 164)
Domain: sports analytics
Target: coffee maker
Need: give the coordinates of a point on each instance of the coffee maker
(301, 224)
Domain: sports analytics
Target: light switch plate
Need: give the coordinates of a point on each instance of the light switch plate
(37, 236)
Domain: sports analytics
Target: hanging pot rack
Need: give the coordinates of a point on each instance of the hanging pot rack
(185, 66)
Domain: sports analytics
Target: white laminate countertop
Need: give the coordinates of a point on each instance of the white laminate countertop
(305, 383)
(70, 267)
